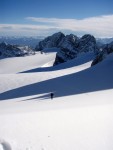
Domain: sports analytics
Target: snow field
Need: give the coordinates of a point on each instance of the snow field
(79, 117)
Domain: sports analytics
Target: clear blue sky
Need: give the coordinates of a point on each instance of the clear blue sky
(15, 11)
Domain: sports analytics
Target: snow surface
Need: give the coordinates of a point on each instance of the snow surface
(19, 64)
(80, 115)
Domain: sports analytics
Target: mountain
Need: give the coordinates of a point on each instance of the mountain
(80, 116)
(8, 50)
(104, 40)
(50, 41)
(68, 49)
(85, 44)
(22, 41)
(107, 49)
(69, 42)
(70, 45)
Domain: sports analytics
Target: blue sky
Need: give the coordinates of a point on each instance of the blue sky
(44, 17)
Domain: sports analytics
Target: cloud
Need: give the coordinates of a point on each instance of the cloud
(26, 29)
(101, 26)
(23, 27)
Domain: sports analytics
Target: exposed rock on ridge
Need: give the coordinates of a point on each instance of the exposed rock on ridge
(8, 50)
(50, 41)
(103, 54)
(70, 45)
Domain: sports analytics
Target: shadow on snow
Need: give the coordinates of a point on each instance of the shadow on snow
(93, 79)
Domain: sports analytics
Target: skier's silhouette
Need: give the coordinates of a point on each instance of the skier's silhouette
(52, 94)
(41, 52)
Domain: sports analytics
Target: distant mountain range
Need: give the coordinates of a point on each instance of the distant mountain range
(8, 50)
(69, 46)
(33, 41)
(104, 40)
(21, 41)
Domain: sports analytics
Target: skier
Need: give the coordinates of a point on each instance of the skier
(52, 94)
(41, 52)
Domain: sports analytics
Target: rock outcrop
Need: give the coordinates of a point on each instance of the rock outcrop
(8, 50)
(70, 45)
(73, 47)
(108, 48)
(50, 41)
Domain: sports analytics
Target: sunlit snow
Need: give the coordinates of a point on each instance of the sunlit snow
(80, 116)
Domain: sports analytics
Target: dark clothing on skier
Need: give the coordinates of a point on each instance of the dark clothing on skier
(52, 95)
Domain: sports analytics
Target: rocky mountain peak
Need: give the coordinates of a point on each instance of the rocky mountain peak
(108, 48)
(50, 41)
(70, 45)
(3, 45)
(87, 43)
(69, 41)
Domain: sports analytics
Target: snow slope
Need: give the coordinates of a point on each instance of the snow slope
(19, 64)
(79, 117)
(12, 81)
(83, 122)
(83, 60)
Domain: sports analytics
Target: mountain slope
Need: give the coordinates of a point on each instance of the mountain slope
(69, 46)
(25, 63)
(103, 54)
(93, 79)
(79, 116)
